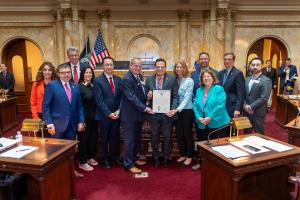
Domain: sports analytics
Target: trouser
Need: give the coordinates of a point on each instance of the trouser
(110, 139)
(132, 140)
(269, 103)
(164, 125)
(184, 132)
(87, 141)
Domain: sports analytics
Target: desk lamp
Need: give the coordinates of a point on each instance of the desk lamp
(237, 124)
(33, 125)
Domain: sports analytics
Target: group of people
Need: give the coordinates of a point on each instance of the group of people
(72, 102)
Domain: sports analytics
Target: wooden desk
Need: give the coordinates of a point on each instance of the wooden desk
(286, 110)
(262, 176)
(50, 169)
(8, 118)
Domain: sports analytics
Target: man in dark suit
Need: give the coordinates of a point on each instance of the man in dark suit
(258, 89)
(62, 108)
(74, 63)
(107, 90)
(133, 108)
(202, 64)
(270, 72)
(162, 121)
(287, 72)
(7, 80)
(233, 82)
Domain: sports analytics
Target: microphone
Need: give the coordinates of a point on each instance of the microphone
(208, 142)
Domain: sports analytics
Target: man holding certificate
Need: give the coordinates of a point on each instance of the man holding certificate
(164, 100)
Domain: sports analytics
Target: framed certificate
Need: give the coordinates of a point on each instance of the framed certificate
(161, 101)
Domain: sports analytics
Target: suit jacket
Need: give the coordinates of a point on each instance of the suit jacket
(56, 107)
(133, 100)
(196, 75)
(259, 94)
(36, 98)
(81, 66)
(214, 107)
(234, 88)
(282, 74)
(272, 74)
(169, 83)
(107, 102)
(7, 83)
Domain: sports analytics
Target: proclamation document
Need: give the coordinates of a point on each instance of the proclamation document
(161, 101)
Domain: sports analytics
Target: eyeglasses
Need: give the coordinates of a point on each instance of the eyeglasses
(159, 67)
(64, 73)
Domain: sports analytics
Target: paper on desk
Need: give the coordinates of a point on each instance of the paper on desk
(19, 151)
(249, 147)
(6, 143)
(230, 151)
(267, 143)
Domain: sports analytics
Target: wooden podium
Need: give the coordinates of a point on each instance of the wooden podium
(286, 110)
(49, 170)
(8, 114)
(261, 176)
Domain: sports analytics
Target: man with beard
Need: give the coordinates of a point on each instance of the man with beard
(258, 89)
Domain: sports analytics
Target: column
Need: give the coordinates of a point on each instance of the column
(183, 34)
(221, 15)
(67, 17)
(60, 47)
(81, 25)
(206, 31)
(104, 16)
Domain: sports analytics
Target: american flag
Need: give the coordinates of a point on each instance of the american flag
(99, 51)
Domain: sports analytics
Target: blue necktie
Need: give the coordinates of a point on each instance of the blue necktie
(225, 77)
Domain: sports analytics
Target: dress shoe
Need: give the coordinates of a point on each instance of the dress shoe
(106, 164)
(187, 162)
(140, 162)
(86, 167)
(155, 162)
(78, 174)
(181, 159)
(196, 167)
(118, 161)
(166, 162)
(92, 162)
(135, 170)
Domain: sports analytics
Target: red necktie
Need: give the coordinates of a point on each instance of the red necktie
(75, 74)
(111, 83)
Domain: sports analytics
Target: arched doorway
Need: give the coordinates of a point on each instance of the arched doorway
(23, 58)
(268, 48)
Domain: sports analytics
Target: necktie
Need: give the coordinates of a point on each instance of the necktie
(159, 83)
(111, 83)
(4, 74)
(140, 84)
(68, 91)
(225, 77)
(75, 74)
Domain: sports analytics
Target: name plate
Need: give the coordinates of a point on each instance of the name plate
(161, 101)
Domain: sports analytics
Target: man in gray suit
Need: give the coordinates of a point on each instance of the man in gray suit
(258, 89)
(162, 121)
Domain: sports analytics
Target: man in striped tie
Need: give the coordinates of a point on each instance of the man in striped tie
(62, 108)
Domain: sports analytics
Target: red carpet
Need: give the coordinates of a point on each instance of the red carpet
(171, 183)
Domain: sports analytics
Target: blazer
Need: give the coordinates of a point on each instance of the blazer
(272, 74)
(214, 107)
(107, 102)
(259, 94)
(56, 107)
(133, 99)
(88, 101)
(282, 74)
(234, 88)
(36, 98)
(81, 66)
(196, 77)
(169, 83)
(185, 93)
(8, 83)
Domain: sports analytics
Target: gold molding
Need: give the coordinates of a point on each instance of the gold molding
(104, 14)
(206, 14)
(222, 13)
(183, 14)
(81, 14)
(66, 13)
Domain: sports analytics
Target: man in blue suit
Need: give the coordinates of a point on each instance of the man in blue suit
(133, 109)
(62, 108)
(107, 90)
(286, 73)
(233, 82)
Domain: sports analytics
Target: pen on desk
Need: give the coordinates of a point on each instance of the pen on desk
(22, 150)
